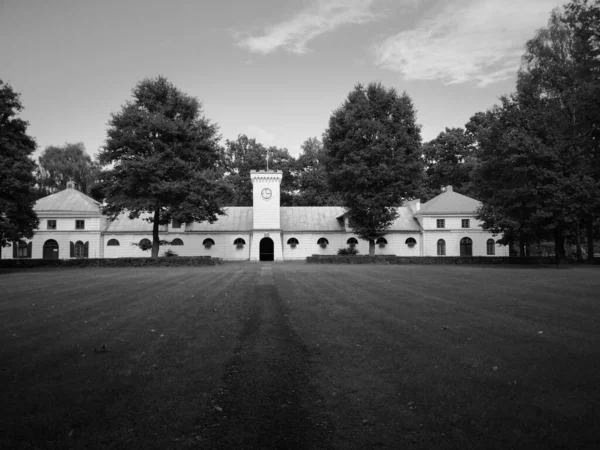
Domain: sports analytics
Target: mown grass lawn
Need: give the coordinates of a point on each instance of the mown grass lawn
(401, 356)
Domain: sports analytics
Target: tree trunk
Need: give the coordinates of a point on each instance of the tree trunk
(371, 247)
(155, 239)
(559, 243)
(521, 245)
(578, 241)
(590, 237)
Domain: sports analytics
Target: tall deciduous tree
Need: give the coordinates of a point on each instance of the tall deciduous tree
(538, 174)
(17, 218)
(60, 164)
(524, 175)
(583, 19)
(373, 146)
(311, 177)
(561, 71)
(160, 156)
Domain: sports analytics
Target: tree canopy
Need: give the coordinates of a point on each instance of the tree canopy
(245, 154)
(160, 158)
(373, 146)
(311, 184)
(17, 218)
(539, 166)
(449, 160)
(69, 162)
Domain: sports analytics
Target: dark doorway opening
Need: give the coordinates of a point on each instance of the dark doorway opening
(50, 249)
(466, 247)
(267, 249)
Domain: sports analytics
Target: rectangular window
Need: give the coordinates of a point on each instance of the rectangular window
(441, 223)
(176, 224)
(22, 252)
(465, 223)
(80, 224)
(51, 225)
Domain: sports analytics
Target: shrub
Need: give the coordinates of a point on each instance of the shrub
(170, 253)
(348, 251)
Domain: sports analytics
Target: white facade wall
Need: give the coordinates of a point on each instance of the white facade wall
(307, 244)
(397, 244)
(192, 245)
(63, 238)
(452, 233)
(68, 224)
(453, 237)
(452, 223)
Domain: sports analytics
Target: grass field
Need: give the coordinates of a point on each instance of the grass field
(300, 356)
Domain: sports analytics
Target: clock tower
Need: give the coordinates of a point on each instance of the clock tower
(266, 220)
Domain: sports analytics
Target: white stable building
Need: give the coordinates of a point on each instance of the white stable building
(72, 226)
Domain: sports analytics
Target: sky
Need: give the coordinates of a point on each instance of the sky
(274, 70)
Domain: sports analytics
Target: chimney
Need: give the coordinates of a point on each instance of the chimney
(448, 188)
(71, 185)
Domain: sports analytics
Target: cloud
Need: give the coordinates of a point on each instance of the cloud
(322, 16)
(259, 134)
(471, 40)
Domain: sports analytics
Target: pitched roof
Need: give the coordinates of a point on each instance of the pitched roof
(311, 218)
(124, 224)
(237, 218)
(449, 202)
(68, 200)
(406, 220)
(325, 218)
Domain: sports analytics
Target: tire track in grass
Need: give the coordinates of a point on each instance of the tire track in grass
(267, 399)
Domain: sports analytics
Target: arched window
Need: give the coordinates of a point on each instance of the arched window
(292, 242)
(411, 242)
(176, 241)
(323, 242)
(113, 242)
(382, 242)
(239, 241)
(441, 247)
(491, 247)
(208, 243)
(145, 244)
(466, 247)
(352, 242)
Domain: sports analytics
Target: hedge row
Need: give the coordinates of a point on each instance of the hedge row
(110, 262)
(393, 259)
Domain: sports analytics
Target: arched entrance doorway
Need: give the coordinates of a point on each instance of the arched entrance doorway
(267, 249)
(50, 249)
(466, 247)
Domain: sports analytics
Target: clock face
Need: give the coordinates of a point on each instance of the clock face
(266, 193)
